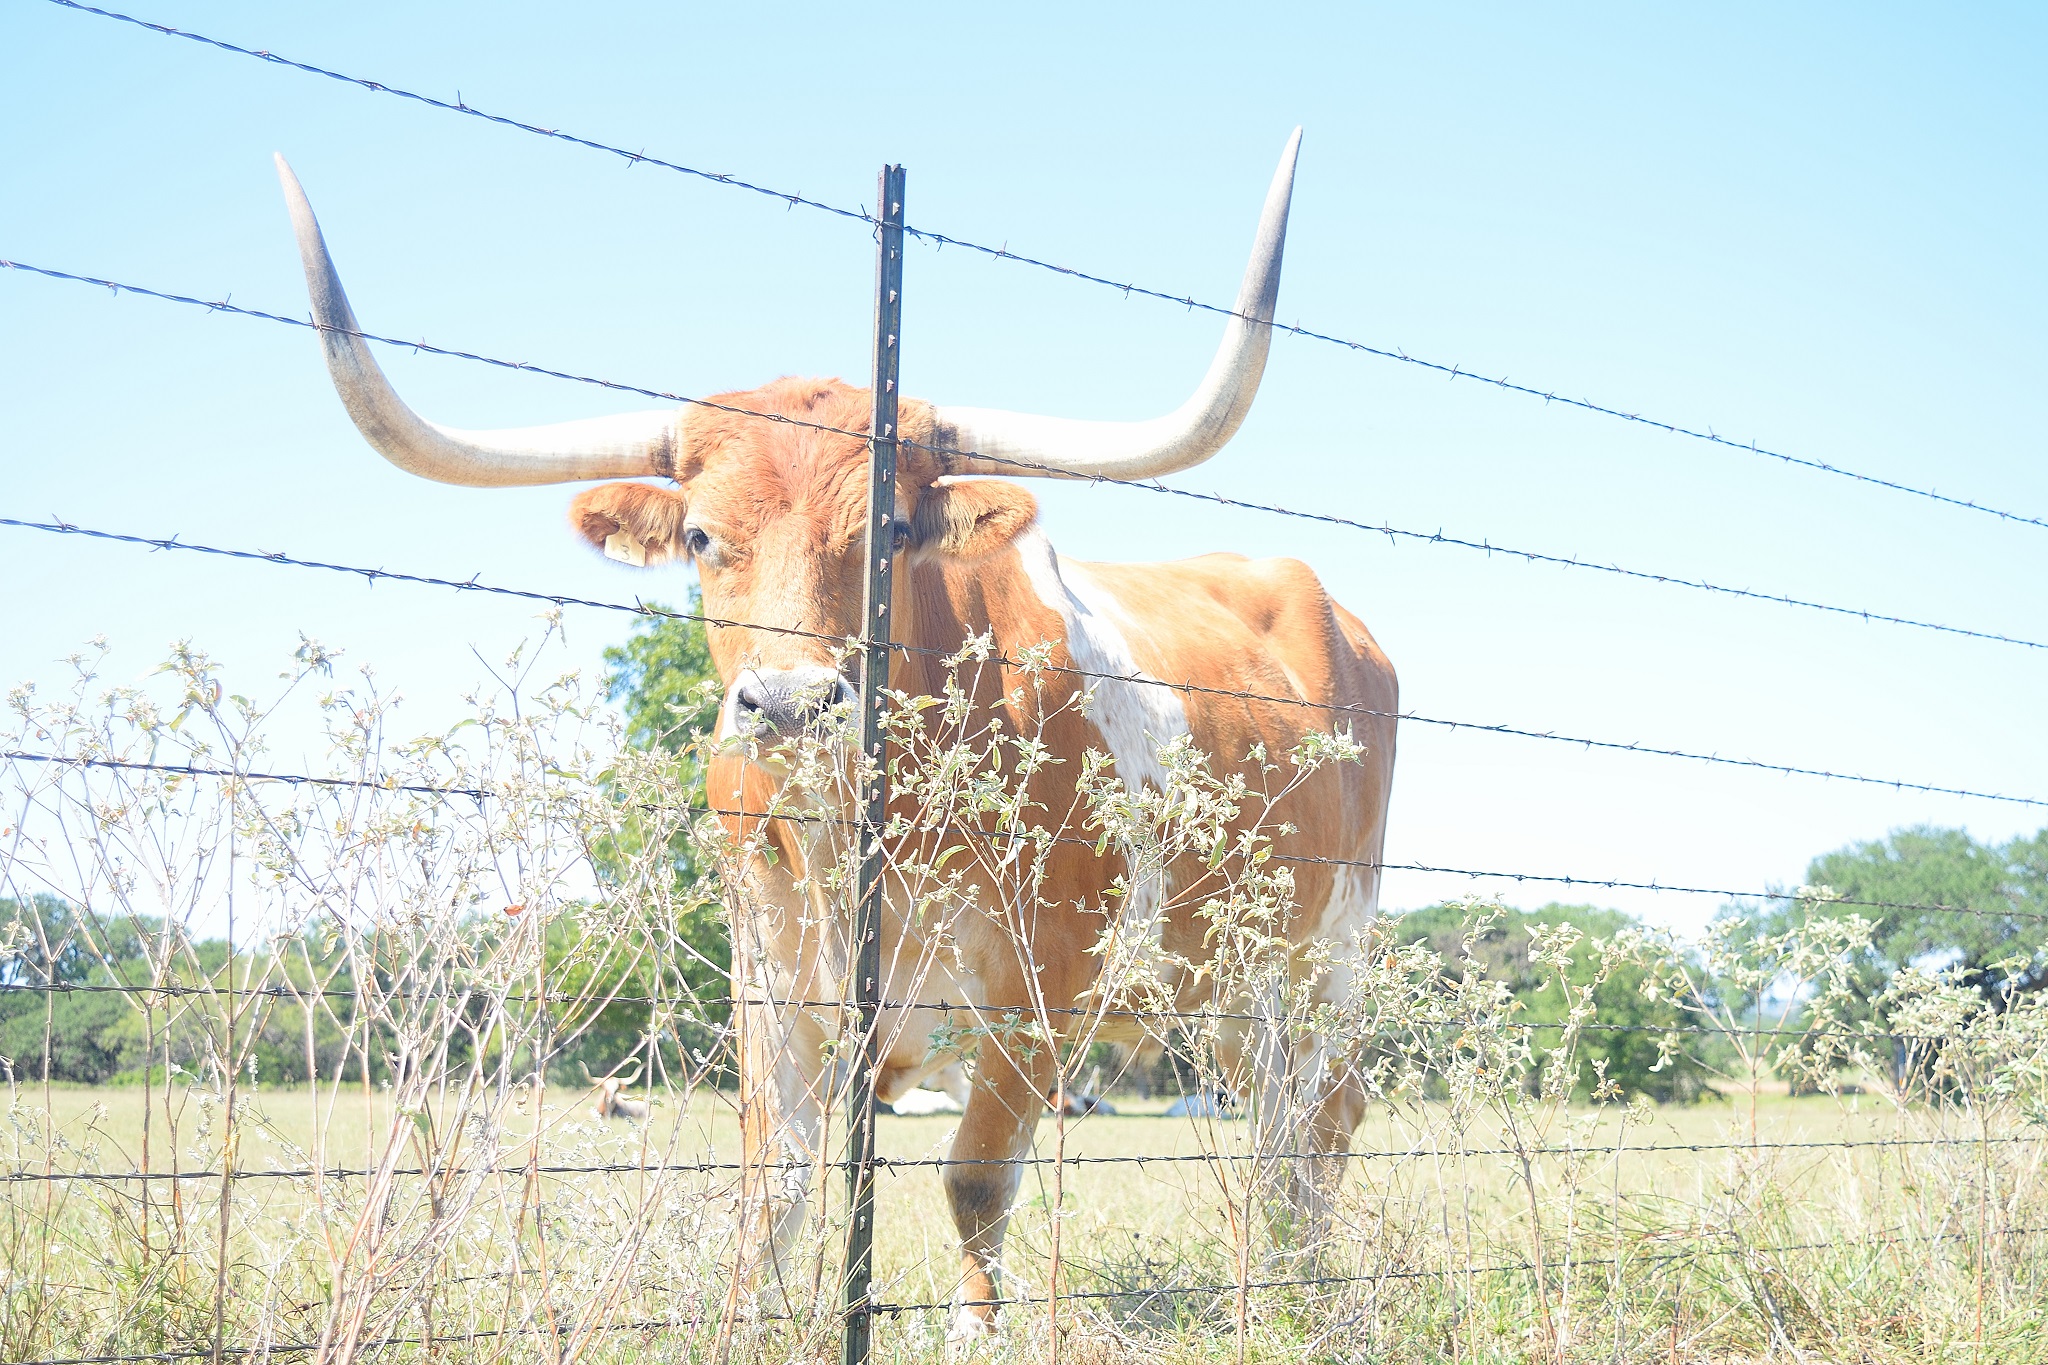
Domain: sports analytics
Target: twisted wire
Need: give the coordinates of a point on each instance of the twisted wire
(631, 158)
(277, 1348)
(297, 994)
(894, 1309)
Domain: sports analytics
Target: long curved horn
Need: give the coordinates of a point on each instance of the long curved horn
(624, 446)
(1185, 437)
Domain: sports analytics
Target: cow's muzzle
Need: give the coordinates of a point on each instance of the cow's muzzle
(782, 703)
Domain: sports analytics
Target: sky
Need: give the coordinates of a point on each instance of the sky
(1814, 227)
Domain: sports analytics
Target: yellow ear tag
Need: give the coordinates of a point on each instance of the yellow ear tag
(621, 545)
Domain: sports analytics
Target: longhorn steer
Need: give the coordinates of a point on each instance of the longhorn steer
(773, 517)
(612, 1103)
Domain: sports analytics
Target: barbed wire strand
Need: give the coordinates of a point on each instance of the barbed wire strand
(437, 1339)
(1136, 678)
(1437, 537)
(708, 1167)
(895, 1309)
(457, 106)
(1037, 836)
(1510, 1268)
(1005, 1013)
(940, 240)
(1391, 532)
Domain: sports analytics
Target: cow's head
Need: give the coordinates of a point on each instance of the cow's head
(774, 516)
(767, 490)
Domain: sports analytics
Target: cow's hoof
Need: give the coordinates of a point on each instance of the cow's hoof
(969, 1327)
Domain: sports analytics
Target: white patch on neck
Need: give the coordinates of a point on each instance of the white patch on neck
(1353, 905)
(1136, 718)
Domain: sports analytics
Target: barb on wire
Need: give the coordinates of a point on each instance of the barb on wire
(1135, 678)
(240, 775)
(418, 346)
(1437, 537)
(437, 1339)
(1733, 1248)
(940, 240)
(1447, 1153)
(368, 1172)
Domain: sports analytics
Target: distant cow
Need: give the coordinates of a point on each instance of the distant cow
(612, 1103)
(766, 494)
(1208, 1104)
(944, 1093)
(1074, 1104)
(919, 1103)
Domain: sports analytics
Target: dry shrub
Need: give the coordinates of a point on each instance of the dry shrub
(435, 922)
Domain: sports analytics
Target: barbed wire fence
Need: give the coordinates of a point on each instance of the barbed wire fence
(519, 1022)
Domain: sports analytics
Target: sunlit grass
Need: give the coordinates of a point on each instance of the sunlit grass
(1755, 1248)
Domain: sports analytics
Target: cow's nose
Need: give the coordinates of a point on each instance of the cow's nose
(785, 701)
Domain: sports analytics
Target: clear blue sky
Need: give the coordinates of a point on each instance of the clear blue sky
(1814, 226)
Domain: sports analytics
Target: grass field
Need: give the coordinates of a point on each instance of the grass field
(1760, 1249)
(442, 946)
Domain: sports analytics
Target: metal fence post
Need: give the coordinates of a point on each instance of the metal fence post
(865, 987)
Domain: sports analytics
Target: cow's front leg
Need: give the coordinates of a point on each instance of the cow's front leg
(782, 1075)
(1309, 1102)
(1002, 1114)
(1338, 1112)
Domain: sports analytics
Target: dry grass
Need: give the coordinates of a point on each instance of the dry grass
(1895, 1274)
(410, 937)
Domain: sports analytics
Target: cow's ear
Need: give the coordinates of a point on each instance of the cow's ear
(970, 519)
(634, 523)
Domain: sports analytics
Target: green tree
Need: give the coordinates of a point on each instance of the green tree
(665, 685)
(664, 681)
(1994, 939)
(1630, 1053)
(97, 1035)
(50, 998)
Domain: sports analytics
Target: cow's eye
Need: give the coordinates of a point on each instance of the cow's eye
(696, 542)
(899, 535)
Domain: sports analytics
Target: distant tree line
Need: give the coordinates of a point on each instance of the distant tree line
(76, 1005)
(1938, 900)
(58, 978)
(1628, 1056)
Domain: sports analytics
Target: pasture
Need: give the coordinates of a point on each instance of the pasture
(960, 750)
(428, 1208)
(1866, 1252)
